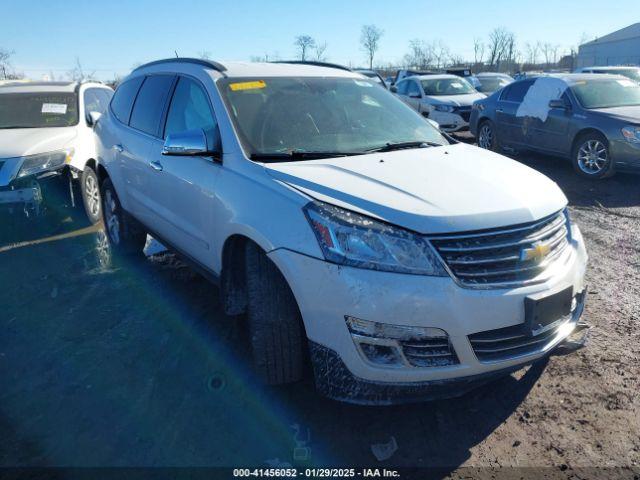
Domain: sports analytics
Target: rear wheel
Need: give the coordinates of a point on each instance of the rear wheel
(275, 323)
(124, 234)
(90, 189)
(487, 138)
(591, 157)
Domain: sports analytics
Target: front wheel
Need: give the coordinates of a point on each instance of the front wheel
(487, 138)
(124, 234)
(90, 190)
(275, 323)
(591, 157)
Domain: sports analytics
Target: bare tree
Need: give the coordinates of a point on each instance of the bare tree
(5, 65)
(304, 44)
(420, 55)
(370, 41)
(549, 51)
(532, 51)
(318, 52)
(440, 53)
(502, 47)
(478, 50)
(78, 74)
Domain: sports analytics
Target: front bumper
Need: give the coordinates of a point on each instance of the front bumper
(626, 155)
(449, 122)
(326, 293)
(28, 194)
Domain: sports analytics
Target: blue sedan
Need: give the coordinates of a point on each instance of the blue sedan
(592, 119)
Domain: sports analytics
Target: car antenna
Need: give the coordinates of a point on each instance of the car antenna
(176, 52)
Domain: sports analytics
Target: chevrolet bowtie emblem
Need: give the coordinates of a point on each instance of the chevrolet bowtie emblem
(536, 253)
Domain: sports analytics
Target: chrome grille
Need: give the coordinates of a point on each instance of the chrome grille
(494, 258)
(432, 352)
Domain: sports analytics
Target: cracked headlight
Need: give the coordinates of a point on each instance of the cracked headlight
(348, 238)
(42, 162)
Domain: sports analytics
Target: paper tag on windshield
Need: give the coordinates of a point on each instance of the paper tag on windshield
(57, 108)
(456, 85)
(247, 85)
(626, 83)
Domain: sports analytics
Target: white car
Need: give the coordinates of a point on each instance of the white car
(346, 227)
(628, 71)
(446, 99)
(45, 129)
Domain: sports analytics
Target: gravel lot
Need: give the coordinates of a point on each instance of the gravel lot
(105, 364)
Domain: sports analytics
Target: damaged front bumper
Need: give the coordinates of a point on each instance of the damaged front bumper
(27, 195)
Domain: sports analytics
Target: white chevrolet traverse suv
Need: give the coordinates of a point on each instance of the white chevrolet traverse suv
(45, 128)
(347, 228)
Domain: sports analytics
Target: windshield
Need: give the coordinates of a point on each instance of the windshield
(38, 110)
(447, 86)
(632, 73)
(491, 84)
(303, 114)
(619, 92)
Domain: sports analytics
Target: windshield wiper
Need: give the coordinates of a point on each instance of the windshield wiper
(389, 147)
(295, 155)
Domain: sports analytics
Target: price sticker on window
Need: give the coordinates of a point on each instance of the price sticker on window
(255, 85)
(55, 108)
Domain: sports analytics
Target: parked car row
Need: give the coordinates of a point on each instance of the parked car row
(349, 230)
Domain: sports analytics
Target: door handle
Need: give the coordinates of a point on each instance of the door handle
(157, 166)
(499, 110)
(118, 148)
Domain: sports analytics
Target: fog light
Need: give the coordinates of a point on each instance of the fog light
(381, 354)
(396, 332)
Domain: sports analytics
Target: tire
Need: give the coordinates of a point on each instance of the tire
(90, 191)
(275, 324)
(124, 234)
(591, 158)
(487, 137)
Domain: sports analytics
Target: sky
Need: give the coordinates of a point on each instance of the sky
(110, 38)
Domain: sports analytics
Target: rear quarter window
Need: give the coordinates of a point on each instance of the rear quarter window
(123, 98)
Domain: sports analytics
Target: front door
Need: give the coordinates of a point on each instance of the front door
(183, 188)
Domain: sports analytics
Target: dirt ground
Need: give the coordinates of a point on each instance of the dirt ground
(106, 364)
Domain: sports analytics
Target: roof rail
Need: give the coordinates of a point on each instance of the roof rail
(315, 64)
(197, 61)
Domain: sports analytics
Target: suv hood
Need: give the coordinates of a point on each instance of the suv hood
(20, 142)
(628, 114)
(458, 100)
(432, 190)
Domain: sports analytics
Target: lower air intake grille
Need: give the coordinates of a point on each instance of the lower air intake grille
(436, 352)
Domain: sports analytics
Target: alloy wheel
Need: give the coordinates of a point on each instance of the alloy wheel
(485, 138)
(111, 217)
(593, 157)
(92, 193)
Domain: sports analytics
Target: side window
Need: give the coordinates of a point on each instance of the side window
(150, 102)
(413, 89)
(95, 100)
(516, 91)
(123, 98)
(190, 110)
(402, 87)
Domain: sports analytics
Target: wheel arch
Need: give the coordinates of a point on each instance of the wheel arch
(583, 132)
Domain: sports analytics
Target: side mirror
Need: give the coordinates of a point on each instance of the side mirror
(393, 89)
(435, 124)
(190, 143)
(92, 118)
(558, 103)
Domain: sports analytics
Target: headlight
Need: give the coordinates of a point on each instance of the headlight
(443, 108)
(347, 238)
(631, 134)
(44, 161)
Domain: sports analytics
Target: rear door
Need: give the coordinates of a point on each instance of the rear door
(144, 124)
(512, 130)
(183, 188)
